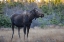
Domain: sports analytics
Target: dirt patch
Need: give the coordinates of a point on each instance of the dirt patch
(35, 35)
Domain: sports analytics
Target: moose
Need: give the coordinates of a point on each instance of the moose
(24, 20)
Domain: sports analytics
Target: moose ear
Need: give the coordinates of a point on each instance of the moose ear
(35, 8)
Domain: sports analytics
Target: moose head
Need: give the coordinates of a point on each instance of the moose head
(36, 13)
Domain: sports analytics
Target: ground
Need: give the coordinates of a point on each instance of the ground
(35, 35)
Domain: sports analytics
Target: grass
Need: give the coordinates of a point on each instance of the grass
(35, 35)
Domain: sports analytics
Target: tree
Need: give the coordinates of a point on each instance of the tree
(56, 2)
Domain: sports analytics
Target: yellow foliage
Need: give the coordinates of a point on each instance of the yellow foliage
(8, 1)
(57, 2)
(29, 1)
(42, 0)
(39, 3)
(47, 1)
(32, 0)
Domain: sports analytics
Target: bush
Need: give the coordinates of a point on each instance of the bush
(4, 21)
(45, 8)
(14, 4)
(54, 21)
(56, 10)
(1, 8)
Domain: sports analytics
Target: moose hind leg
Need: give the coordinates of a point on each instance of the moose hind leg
(19, 32)
(28, 31)
(12, 31)
(24, 31)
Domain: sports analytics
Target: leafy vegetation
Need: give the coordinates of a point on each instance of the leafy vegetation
(14, 4)
(1, 7)
(56, 10)
(4, 21)
(48, 9)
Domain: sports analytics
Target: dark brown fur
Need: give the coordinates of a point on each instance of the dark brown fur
(24, 20)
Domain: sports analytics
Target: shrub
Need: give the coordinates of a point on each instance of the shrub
(54, 21)
(4, 21)
(1, 7)
(14, 4)
(58, 10)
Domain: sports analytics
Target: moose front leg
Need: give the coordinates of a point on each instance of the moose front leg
(28, 27)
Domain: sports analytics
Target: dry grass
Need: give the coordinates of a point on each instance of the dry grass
(35, 35)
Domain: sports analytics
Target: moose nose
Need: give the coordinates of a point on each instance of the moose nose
(42, 15)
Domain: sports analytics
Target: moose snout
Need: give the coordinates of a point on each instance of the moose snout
(42, 15)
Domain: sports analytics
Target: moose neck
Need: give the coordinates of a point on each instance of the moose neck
(32, 15)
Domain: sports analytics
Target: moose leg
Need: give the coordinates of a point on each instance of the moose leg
(28, 32)
(24, 32)
(12, 31)
(28, 27)
(19, 32)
